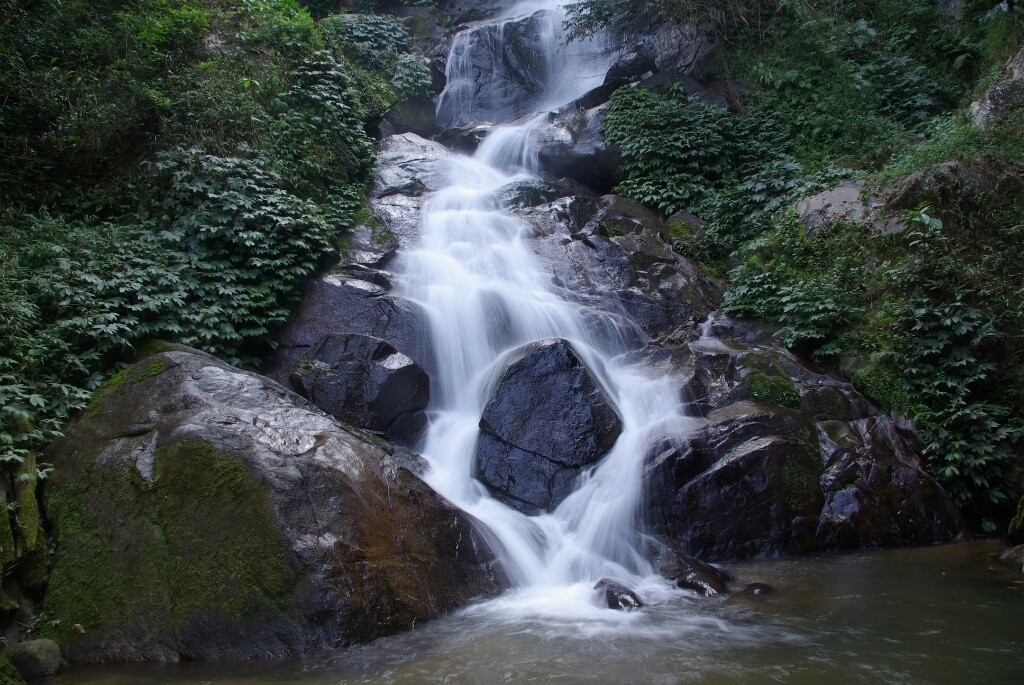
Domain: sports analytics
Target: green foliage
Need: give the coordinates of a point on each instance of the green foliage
(679, 153)
(808, 284)
(8, 673)
(930, 321)
(955, 136)
(946, 353)
(412, 77)
(773, 389)
(176, 169)
(960, 330)
(370, 40)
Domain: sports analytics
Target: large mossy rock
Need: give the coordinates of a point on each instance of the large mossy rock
(202, 512)
(35, 660)
(548, 419)
(788, 461)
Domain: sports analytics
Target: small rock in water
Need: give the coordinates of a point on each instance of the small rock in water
(701, 578)
(1013, 558)
(758, 589)
(618, 596)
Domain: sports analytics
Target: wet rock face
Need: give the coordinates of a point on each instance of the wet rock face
(789, 461)
(687, 572)
(501, 77)
(607, 253)
(569, 143)
(202, 512)
(365, 382)
(408, 167)
(548, 419)
(343, 304)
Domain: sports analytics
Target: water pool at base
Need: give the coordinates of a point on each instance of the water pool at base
(947, 614)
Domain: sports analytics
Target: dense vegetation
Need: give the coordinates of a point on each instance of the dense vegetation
(171, 169)
(928, 321)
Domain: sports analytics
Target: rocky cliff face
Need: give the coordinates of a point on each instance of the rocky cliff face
(202, 512)
(789, 460)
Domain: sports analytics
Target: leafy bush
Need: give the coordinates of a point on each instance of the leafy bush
(177, 168)
(679, 153)
(412, 77)
(810, 285)
(368, 39)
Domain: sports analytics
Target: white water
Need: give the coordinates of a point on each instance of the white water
(559, 72)
(486, 294)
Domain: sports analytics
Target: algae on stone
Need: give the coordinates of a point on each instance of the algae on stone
(206, 545)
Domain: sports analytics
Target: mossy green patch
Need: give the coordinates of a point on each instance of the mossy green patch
(128, 376)
(29, 526)
(773, 390)
(152, 346)
(197, 546)
(1015, 531)
(884, 385)
(7, 552)
(801, 488)
(8, 673)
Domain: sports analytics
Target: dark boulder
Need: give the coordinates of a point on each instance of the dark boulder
(618, 596)
(687, 572)
(365, 382)
(632, 66)
(702, 578)
(203, 512)
(530, 193)
(569, 143)
(789, 461)
(337, 303)
(876, 490)
(547, 420)
(35, 659)
(465, 139)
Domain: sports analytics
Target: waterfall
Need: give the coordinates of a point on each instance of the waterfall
(486, 295)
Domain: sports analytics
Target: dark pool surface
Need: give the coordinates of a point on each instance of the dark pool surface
(946, 614)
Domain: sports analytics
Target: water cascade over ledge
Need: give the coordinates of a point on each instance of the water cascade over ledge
(486, 295)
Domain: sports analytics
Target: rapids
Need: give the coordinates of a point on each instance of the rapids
(486, 295)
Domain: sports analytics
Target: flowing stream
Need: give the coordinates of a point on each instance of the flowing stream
(933, 615)
(486, 295)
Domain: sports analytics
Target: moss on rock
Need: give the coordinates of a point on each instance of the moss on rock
(800, 482)
(8, 673)
(29, 524)
(1015, 531)
(127, 376)
(773, 389)
(7, 551)
(195, 548)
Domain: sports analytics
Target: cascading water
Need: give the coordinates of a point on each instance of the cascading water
(486, 295)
